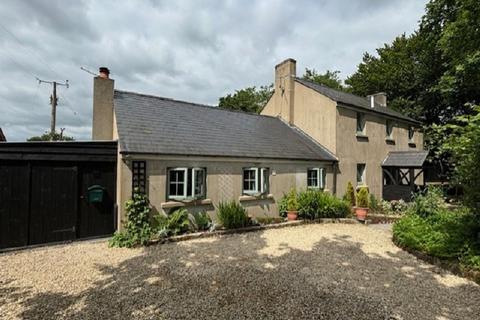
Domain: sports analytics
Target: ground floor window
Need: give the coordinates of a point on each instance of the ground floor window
(361, 173)
(316, 178)
(255, 180)
(139, 176)
(186, 183)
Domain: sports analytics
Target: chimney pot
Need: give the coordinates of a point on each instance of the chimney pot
(104, 73)
(379, 98)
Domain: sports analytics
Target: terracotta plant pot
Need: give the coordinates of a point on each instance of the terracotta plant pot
(292, 215)
(361, 213)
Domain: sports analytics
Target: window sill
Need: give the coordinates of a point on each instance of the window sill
(254, 198)
(362, 136)
(185, 203)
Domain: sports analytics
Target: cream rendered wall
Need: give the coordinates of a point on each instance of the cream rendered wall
(224, 181)
(372, 151)
(315, 114)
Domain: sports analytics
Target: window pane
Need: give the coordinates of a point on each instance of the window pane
(265, 178)
(312, 178)
(199, 182)
(360, 122)
(189, 182)
(139, 176)
(249, 180)
(360, 173)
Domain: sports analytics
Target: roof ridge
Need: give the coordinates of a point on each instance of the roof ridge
(329, 88)
(212, 107)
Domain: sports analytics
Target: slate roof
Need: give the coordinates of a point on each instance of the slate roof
(405, 159)
(155, 125)
(355, 101)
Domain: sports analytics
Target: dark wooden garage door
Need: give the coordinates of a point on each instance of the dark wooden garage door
(43, 191)
(53, 203)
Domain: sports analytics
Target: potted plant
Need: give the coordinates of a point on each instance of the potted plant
(361, 209)
(292, 205)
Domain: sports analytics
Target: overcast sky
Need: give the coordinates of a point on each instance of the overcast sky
(188, 50)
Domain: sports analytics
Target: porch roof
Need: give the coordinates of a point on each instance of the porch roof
(405, 159)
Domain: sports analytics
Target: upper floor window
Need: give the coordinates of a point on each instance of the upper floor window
(411, 133)
(139, 176)
(186, 183)
(361, 173)
(360, 123)
(255, 180)
(316, 178)
(389, 129)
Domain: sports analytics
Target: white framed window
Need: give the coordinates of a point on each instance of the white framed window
(361, 173)
(389, 129)
(316, 178)
(360, 123)
(256, 180)
(186, 183)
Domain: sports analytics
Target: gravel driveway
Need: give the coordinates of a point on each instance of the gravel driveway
(330, 271)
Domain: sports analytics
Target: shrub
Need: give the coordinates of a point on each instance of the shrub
(282, 205)
(138, 229)
(314, 204)
(430, 227)
(350, 195)
(429, 203)
(374, 205)
(202, 221)
(268, 220)
(175, 223)
(292, 203)
(362, 198)
(232, 215)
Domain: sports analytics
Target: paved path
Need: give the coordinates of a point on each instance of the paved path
(329, 271)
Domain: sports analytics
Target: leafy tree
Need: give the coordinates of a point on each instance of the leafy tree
(49, 136)
(251, 99)
(460, 141)
(432, 75)
(329, 79)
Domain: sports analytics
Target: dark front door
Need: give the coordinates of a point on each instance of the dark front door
(97, 219)
(53, 203)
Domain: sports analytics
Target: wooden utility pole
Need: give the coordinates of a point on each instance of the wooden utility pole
(53, 102)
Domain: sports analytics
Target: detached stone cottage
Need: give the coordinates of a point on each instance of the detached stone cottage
(184, 154)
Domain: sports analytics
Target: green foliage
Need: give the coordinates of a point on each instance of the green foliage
(428, 203)
(268, 220)
(202, 221)
(350, 194)
(138, 230)
(373, 203)
(460, 140)
(430, 227)
(329, 79)
(362, 198)
(49, 136)
(250, 99)
(292, 203)
(175, 223)
(232, 215)
(282, 205)
(315, 204)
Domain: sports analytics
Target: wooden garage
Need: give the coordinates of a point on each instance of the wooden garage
(56, 191)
